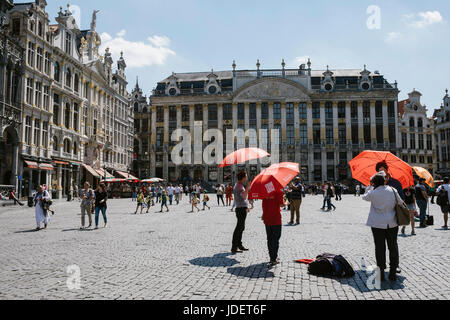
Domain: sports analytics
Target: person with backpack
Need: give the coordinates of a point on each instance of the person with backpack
(443, 200)
(87, 197)
(422, 201)
(410, 201)
(383, 221)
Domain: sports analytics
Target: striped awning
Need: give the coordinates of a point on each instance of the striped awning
(61, 162)
(31, 164)
(102, 173)
(46, 166)
(126, 175)
(91, 171)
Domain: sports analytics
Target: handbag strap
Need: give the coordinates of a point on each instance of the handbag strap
(395, 195)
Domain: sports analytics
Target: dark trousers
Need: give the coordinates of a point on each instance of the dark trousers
(422, 204)
(273, 241)
(381, 237)
(220, 198)
(241, 215)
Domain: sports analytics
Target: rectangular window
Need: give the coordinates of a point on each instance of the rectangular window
(392, 134)
(355, 134)
(76, 112)
(172, 114)
(39, 59)
(38, 95)
(264, 111)
(212, 112)
(47, 63)
(413, 159)
(366, 109)
(45, 134)
(241, 111)
(391, 109)
(379, 110)
(198, 112)
(412, 140)
(330, 135)
(159, 114)
(252, 112)
(342, 134)
(303, 113)
(429, 142)
(367, 134)
(56, 109)
(30, 91)
(316, 134)
(290, 136)
(68, 46)
(37, 132)
(28, 130)
(341, 110)
(404, 141)
(380, 133)
(289, 111)
(316, 110)
(30, 54)
(303, 134)
(277, 111)
(421, 143)
(47, 97)
(329, 110)
(354, 109)
(318, 156)
(185, 113)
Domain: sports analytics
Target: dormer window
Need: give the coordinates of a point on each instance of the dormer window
(328, 87)
(212, 89)
(172, 91)
(365, 86)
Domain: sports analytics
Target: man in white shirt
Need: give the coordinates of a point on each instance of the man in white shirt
(177, 194)
(445, 207)
(170, 193)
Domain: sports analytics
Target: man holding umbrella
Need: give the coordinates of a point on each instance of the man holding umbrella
(240, 197)
(394, 183)
(272, 219)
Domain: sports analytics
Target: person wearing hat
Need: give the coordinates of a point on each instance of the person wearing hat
(422, 201)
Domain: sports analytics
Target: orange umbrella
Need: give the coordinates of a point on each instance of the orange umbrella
(273, 178)
(363, 167)
(243, 155)
(424, 173)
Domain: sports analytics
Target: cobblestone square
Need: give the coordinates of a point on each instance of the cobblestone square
(183, 256)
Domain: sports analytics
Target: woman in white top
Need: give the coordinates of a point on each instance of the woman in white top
(382, 219)
(42, 215)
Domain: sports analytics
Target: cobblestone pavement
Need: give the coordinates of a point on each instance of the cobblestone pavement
(181, 255)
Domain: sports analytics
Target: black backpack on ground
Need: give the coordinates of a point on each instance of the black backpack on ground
(325, 265)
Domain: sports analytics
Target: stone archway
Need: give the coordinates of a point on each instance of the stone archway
(9, 154)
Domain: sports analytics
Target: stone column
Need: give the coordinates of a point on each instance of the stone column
(386, 122)
(297, 131)
(205, 128)
(258, 130)
(360, 122)
(153, 143)
(336, 138)
(220, 128)
(235, 126)
(373, 123)
(283, 146)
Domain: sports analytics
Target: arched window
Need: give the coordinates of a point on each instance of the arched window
(420, 123)
(55, 143)
(67, 146)
(68, 77)
(136, 107)
(75, 148)
(57, 72)
(412, 123)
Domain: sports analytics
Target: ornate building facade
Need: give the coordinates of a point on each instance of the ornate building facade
(11, 72)
(76, 116)
(443, 136)
(418, 141)
(324, 118)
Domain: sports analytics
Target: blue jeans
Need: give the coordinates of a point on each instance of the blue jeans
(97, 213)
(422, 204)
(170, 199)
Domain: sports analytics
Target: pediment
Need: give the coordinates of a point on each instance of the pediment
(272, 89)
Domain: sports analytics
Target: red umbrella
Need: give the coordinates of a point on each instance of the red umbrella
(363, 167)
(274, 178)
(243, 155)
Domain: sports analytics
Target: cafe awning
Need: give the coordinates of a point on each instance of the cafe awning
(91, 171)
(31, 164)
(102, 173)
(46, 166)
(126, 175)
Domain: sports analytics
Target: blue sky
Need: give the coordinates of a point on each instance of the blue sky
(411, 46)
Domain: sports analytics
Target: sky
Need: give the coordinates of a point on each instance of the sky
(406, 40)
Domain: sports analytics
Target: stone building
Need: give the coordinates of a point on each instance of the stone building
(324, 118)
(443, 137)
(142, 128)
(11, 73)
(417, 133)
(76, 116)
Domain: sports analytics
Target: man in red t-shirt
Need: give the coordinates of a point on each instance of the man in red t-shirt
(272, 219)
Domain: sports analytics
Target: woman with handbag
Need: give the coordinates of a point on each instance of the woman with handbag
(383, 221)
(101, 196)
(41, 213)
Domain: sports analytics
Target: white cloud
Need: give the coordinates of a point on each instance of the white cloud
(423, 19)
(393, 36)
(301, 60)
(154, 51)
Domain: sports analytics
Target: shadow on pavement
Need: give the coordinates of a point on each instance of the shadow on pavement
(218, 260)
(256, 271)
(76, 229)
(27, 231)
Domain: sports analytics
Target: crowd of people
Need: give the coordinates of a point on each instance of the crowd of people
(384, 193)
